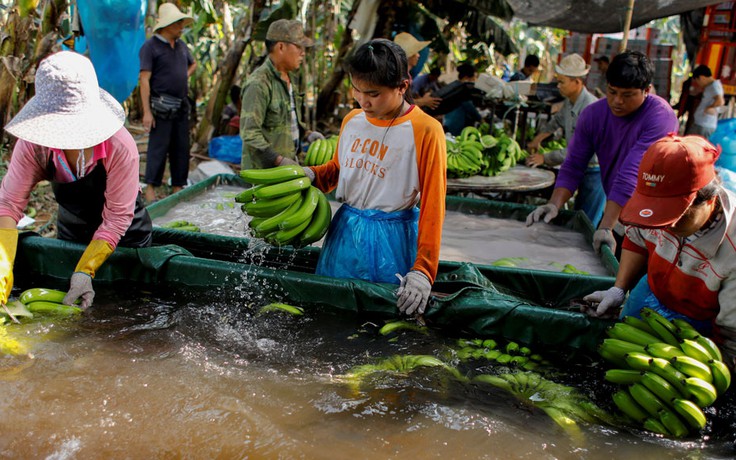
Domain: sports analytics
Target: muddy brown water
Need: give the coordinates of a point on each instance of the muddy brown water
(202, 375)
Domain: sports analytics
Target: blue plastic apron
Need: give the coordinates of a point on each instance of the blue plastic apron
(370, 245)
(642, 296)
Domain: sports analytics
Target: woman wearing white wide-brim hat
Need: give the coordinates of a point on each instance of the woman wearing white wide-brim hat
(71, 134)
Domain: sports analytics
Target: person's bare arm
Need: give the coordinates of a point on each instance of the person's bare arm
(145, 83)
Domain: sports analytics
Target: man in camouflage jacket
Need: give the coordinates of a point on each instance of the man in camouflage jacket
(270, 118)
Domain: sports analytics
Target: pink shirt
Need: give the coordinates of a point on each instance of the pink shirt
(118, 154)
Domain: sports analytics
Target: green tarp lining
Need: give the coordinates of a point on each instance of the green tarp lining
(305, 259)
(464, 301)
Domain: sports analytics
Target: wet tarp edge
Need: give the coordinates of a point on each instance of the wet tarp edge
(477, 307)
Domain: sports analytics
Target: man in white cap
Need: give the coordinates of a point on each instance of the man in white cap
(71, 134)
(571, 73)
(270, 118)
(166, 65)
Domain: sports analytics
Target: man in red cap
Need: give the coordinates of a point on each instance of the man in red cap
(681, 233)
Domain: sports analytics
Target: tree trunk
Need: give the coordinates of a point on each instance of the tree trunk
(52, 12)
(329, 95)
(11, 69)
(223, 80)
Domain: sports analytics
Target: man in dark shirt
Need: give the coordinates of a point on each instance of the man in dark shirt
(466, 114)
(531, 65)
(166, 65)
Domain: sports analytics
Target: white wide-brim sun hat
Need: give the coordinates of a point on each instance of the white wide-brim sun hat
(572, 65)
(69, 110)
(168, 14)
(409, 44)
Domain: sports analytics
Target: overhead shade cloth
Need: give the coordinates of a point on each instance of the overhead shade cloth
(599, 16)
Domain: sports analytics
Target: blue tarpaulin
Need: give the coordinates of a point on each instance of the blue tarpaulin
(226, 148)
(115, 31)
(725, 138)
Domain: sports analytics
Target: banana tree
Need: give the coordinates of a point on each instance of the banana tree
(32, 28)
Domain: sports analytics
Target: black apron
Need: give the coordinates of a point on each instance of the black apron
(80, 210)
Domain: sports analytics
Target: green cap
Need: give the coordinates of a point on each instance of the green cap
(289, 31)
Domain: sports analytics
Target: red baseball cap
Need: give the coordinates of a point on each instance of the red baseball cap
(671, 172)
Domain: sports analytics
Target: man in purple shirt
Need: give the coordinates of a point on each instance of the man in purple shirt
(618, 129)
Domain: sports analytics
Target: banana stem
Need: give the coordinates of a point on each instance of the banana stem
(7, 312)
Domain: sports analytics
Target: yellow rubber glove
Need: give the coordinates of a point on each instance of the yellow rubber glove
(94, 256)
(8, 246)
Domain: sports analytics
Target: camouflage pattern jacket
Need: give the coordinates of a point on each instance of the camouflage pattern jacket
(265, 117)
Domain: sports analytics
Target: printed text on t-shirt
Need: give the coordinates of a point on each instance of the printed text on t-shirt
(371, 148)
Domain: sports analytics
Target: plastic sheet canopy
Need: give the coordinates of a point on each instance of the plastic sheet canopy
(599, 16)
(115, 31)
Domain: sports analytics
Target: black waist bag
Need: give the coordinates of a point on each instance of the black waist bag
(165, 107)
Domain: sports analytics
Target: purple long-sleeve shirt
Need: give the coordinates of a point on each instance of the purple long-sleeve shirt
(619, 143)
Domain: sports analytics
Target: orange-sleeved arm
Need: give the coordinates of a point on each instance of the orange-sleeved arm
(432, 166)
(326, 175)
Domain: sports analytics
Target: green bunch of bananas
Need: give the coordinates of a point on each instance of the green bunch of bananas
(35, 301)
(668, 372)
(285, 208)
(321, 151)
(552, 145)
(465, 153)
(502, 156)
(39, 301)
(46, 301)
(473, 153)
(564, 404)
(397, 365)
(510, 354)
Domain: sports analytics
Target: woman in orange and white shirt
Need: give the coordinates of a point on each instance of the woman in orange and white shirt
(390, 154)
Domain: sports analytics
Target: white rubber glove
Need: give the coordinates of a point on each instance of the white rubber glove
(80, 286)
(547, 211)
(314, 135)
(612, 298)
(604, 236)
(287, 161)
(309, 173)
(413, 293)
